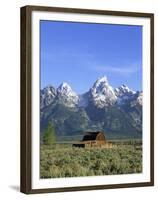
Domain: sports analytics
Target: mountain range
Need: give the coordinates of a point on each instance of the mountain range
(116, 111)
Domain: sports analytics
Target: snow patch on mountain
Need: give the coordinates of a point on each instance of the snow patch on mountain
(124, 90)
(47, 96)
(102, 93)
(66, 95)
(124, 94)
(138, 101)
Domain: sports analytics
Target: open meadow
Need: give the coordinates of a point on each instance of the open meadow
(63, 160)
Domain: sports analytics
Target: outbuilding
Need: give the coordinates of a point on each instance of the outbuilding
(93, 139)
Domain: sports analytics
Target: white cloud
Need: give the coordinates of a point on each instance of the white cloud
(124, 70)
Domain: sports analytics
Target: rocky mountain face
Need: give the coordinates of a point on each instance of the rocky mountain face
(47, 96)
(102, 94)
(117, 111)
(66, 96)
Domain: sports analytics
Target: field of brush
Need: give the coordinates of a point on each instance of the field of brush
(63, 160)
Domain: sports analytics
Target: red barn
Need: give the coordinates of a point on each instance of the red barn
(93, 139)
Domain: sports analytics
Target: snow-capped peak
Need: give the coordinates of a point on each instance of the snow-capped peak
(125, 88)
(66, 95)
(123, 91)
(102, 79)
(47, 96)
(124, 94)
(64, 88)
(102, 93)
(100, 85)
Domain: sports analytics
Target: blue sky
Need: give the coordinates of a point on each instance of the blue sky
(80, 53)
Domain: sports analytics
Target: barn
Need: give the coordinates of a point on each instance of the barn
(93, 139)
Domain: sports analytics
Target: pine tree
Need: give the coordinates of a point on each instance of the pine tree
(49, 135)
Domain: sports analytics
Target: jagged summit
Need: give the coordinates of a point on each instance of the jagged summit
(124, 94)
(64, 88)
(118, 111)
(101, 94)
(102, 79)
(100, 84)
(123, 90)
(66, 95)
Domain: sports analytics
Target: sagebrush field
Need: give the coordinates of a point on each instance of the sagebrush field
(63, 160)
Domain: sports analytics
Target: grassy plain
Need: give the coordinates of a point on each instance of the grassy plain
(63, 160)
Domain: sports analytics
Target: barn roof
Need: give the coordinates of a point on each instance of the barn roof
(91, 135)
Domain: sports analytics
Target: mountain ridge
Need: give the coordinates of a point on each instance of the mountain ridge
(113, 110)
(102, 93)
